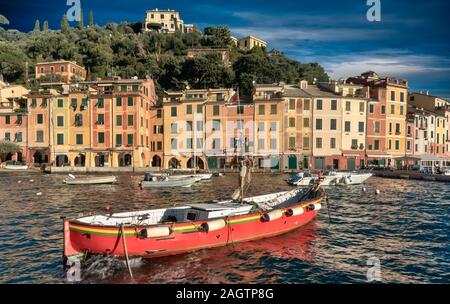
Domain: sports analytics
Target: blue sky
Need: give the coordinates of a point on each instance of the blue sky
(411, 41)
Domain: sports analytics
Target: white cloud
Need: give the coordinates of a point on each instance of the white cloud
(395, 64)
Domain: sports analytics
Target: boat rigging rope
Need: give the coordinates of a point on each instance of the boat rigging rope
(230, 237)
(125, 250)
(328, 209)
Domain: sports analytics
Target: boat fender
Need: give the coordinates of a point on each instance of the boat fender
(155, 232)
(213, 225)
(314, 207)
(272, 215)
(295, 211)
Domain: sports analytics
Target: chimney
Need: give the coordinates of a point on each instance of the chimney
(303, 84)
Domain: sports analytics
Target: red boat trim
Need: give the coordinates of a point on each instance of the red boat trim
(263, 235)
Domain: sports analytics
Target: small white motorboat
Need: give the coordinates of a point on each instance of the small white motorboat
(89, 180)
(198, 176)
(350, 178)
(167, 181)
(16, 167)
(307, 179)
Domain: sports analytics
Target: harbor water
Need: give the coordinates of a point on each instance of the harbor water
(404, 232)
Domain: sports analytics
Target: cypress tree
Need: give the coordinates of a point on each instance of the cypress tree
(81, 22)
(64, 24)
(45, 26)
(91, 18)
(37, 26)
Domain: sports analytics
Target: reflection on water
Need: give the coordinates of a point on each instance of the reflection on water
(406, 227)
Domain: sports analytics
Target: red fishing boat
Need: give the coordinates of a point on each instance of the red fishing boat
(182, 229)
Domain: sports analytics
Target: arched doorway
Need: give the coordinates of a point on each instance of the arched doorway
(125, 159)
(194, 162)
(20, 157)
(174, 163)
(80, 160)
(100, 160)
(40, 158)
(156, 161)
(8, 156)
(61, 160)
(142, 159)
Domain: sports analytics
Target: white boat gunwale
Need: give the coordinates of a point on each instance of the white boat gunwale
(127, 218)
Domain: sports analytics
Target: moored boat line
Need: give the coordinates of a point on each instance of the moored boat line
(329, 178)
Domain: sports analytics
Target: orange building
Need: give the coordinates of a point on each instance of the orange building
(69, 71)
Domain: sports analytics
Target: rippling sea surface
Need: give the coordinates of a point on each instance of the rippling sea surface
(406, 227)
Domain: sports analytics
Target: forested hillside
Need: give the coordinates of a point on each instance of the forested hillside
(123, 50)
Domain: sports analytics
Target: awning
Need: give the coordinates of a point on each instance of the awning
(379, 156)
(40, 148)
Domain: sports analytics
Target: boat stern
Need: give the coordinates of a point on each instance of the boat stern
(69, 251)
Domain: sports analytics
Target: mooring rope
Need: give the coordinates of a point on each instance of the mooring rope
(126, 251)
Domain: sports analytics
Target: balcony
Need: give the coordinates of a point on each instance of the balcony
(6, 105)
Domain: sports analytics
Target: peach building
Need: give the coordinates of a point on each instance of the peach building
(298, 131)
(388, 112)
(13, 119)
(120, 130)
(195, 128)
(327, 129)
(39, 126)
(92, 124)
(156, 125)
(353, 108)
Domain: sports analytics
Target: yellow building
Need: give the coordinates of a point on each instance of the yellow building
(396, 111)
(166, 21)
(70, 136)
(250, 42)
(269, 125)
(194, 127)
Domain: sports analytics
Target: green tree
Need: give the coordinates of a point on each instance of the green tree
(45, 26)
(4, 20)
(217, 36)
(81, 22)
(12, 60)
(64, 24)
(8, 147)
(207, 72)
(37, 26)
(91, 18)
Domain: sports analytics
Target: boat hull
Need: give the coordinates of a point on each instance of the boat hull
(354, 179)
(91, 180)
(82, 238)
(170, 182)
(16, 167)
